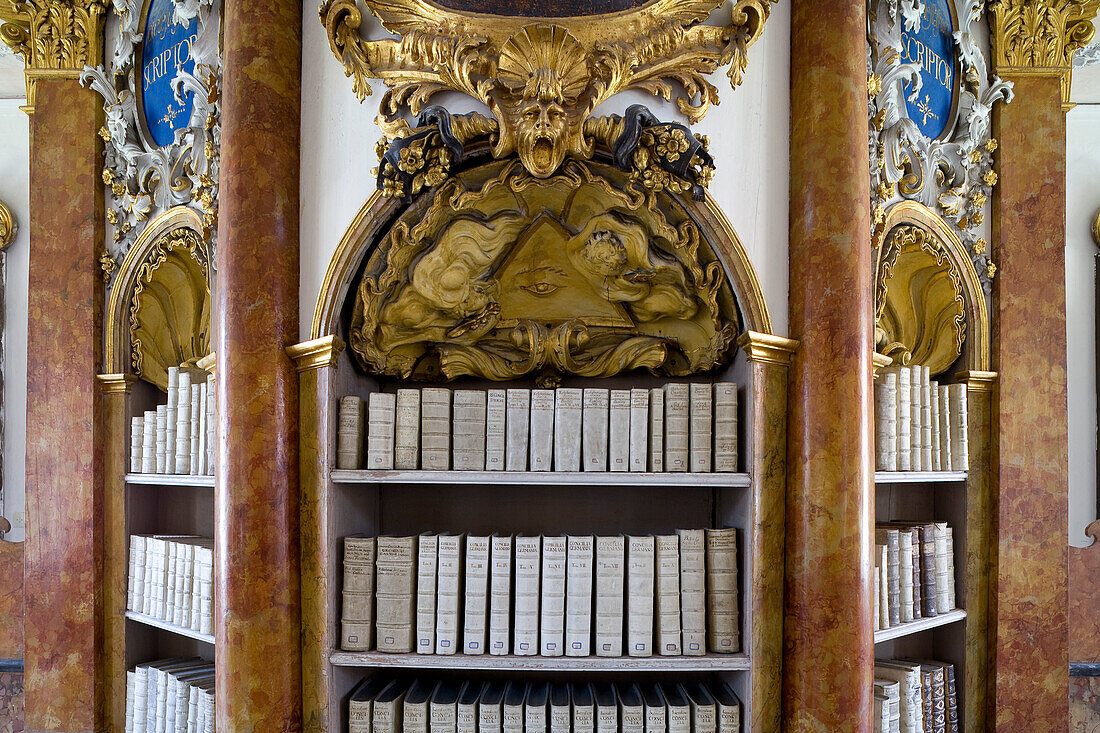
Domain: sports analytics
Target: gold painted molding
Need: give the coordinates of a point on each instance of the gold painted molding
(976, 308)
(56, 38)
(115, 383)
(316, 353)
(8, 228)
(768, 349)
(979, 381)
(1040, 37)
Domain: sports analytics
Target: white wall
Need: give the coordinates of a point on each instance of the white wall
(1082, 204)
(14, 192)
(748, 134)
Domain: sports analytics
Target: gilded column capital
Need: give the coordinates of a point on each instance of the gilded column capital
(316, 353)
(1040, 37)
(56, 38)
(7, 227)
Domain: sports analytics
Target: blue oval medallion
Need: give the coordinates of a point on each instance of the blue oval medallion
(932, 48)
(165, 47)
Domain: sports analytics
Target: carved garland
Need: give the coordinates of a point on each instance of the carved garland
(953, 176)
(144, 181)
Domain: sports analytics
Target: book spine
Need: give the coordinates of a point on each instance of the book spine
(905, 576)
(567, 429)
(578, 602)
(723, 615)
(639, 600)
(135, 588)
(702, 417)
(357, 616)
(171, 417)
(552, 617)
(925, 420)
(960, 454)
(182, 462)
(435, 429)
(656, 430)
(914, 543)
(639, 429)
(584, 718)
(943, 568)
(381, 418)
(594, 427)
(149, 442)
(137, 434)
(610, 574)
(542, 429)
(406, 448)
(349, 433)
(668, 594)
(517, 423)
(937, 456)
(928, 571)
(951, 600)
(359, 714)
(725, 427)
(162, 439)
(677, 427)
(211, 425)
(946, 459)
(475, 613)
(448, 594)
(500, 599)
(526, 619)
(618, 429)
(693, 605)
(427, 562)
(904, 420)
(495, 435)
(886, 422)
(468, 449)
(916, 444)
(395, 589)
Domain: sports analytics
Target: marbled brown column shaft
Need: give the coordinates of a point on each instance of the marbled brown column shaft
(64, 473)
(257, 598)
(1029, 353)
(828, 642)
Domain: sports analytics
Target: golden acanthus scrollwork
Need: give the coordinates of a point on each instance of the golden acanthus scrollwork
(541, 78)
(8, 229)
(169, 313)
(919, 302)
(500, 274)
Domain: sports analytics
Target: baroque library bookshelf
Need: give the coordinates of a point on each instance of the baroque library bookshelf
(338, 503)
(159, 607)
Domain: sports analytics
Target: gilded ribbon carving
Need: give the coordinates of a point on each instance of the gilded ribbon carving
(502, 274)
(540, 80)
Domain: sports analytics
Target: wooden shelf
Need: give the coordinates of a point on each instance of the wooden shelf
(141, 618)
(914, 627)
(170, 479)
(545, 478)
(919, 477)
(510, 662)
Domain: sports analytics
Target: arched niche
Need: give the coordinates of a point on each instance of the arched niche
(158, 311)
(930, 307)
(367, 251)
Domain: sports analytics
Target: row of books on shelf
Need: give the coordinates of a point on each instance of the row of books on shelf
(397, 706)
(914, 572)
(920, 425)
(529, 595)
(171, 579)
(178, 436)
(171, 696)
(680, 427)
(915, 696)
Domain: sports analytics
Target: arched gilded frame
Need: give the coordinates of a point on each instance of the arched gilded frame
(379, 213)
(158, 311)
(930, 306)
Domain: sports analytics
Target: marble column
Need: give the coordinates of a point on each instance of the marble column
(1029, 588)
(257, 599)
(828, 639)
(64, 411)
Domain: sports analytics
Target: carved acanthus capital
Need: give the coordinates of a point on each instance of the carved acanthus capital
(1040, 37)
(56, 38)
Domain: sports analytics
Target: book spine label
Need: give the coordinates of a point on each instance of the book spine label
(406, 451)
(618, 428)
(677, 427)
(639, 429)
(552, 619)
(542, 429)
(656, 430)
(596, 405)
(495, 435)
(517, 424)
(567, 429)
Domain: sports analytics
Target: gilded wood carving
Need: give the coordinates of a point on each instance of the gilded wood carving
(501, 274)
(8, 229)
(919, 301)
